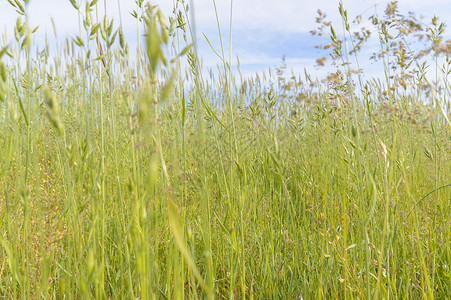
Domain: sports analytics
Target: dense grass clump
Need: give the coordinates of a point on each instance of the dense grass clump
(125, 180)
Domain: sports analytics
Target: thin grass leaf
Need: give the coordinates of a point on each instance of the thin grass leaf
(177, 231)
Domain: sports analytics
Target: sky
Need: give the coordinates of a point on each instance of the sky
(263, 31)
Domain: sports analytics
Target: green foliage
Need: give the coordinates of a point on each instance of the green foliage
(53, 111)
(125, 181)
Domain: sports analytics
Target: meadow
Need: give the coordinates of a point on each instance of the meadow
(152, 178)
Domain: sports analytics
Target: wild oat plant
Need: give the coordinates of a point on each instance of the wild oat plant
(141, 176)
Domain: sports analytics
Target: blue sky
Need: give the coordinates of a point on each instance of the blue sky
(263, 30)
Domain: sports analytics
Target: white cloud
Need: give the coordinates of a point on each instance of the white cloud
(282, 15)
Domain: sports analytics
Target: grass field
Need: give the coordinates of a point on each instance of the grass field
(148, 181)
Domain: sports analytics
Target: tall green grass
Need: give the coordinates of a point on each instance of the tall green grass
(144, 180)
